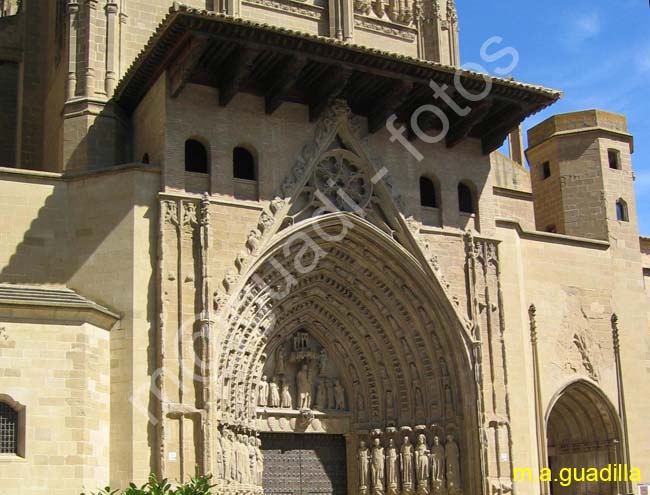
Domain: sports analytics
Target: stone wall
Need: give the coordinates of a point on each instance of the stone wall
(60, 373)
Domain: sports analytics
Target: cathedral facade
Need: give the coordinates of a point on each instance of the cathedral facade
(232, 246)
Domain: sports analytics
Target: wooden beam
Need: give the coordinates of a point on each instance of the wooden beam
(284, 79)
(497, 135)
(329, 89)
(182, 68)
(462, 126)
(236, 67)
(389, 104)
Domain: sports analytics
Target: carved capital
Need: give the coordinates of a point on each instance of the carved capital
(615, 334)
(532, 316)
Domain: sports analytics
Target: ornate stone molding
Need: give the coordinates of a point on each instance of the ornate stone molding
(297, 8)
(384, 27)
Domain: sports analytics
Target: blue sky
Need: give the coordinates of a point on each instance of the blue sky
(597, 52)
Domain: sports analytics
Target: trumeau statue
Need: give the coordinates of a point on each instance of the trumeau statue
(392, 468)
(406, 463)
(263, 392)
(304, 387)
(422, 464)
(364, 466)
(453, 466)
(377, 467)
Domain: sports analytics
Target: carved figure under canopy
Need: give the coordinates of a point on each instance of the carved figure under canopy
(437, 460)
(392, 468)
(377, 467)
(453, 466)
(406, 465)
(422, 464)
(364, 466)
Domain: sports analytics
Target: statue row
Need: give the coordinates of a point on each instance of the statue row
(411, 469)
(330, 394)
(239, 458)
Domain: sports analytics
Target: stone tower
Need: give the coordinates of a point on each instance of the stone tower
(581, 174)
(76, 51)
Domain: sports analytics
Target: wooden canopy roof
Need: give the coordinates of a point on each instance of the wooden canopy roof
(233, 55)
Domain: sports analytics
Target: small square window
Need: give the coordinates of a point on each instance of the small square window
(614, 158)
(546, 170)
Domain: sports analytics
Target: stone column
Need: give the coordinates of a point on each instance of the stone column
(542, 456)
(71, 86)
(90, 70)
(111, 48)
(625, 442)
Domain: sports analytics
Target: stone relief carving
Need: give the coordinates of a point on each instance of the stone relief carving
(301, 364)
(239, 461)
(428, 467)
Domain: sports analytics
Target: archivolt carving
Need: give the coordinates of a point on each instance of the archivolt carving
(362, 316)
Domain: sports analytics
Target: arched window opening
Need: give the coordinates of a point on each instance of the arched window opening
(145, 158)
(196, 157)
(243, 164)
(621, 211)
(466, 202)
(8, 429)
(614, 158)
(428, 196)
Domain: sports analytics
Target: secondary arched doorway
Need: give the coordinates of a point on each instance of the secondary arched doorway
(583, 432)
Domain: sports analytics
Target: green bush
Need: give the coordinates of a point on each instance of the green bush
(196, 486)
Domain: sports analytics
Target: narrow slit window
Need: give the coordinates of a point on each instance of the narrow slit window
(546, 170)
(621, 211)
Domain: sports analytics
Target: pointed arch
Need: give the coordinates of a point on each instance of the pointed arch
(583, 430)
(376, 309)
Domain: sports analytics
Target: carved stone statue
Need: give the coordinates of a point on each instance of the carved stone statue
(259, 458)
(322, 362)
(274, 394)
(422, 464)
(437, 460)
(453, 466)
(331, 402)
(377, 467)
(226, 443)
(392, 469)
(239, 462)
(252, 461)
(263, 392)
(218, 455)
(287, 401)
(364, 464)
(304, 387)
(339, 396)
(321, 395)
(280, 360)
(406, 465)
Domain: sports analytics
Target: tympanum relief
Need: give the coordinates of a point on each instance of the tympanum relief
(299, 376)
